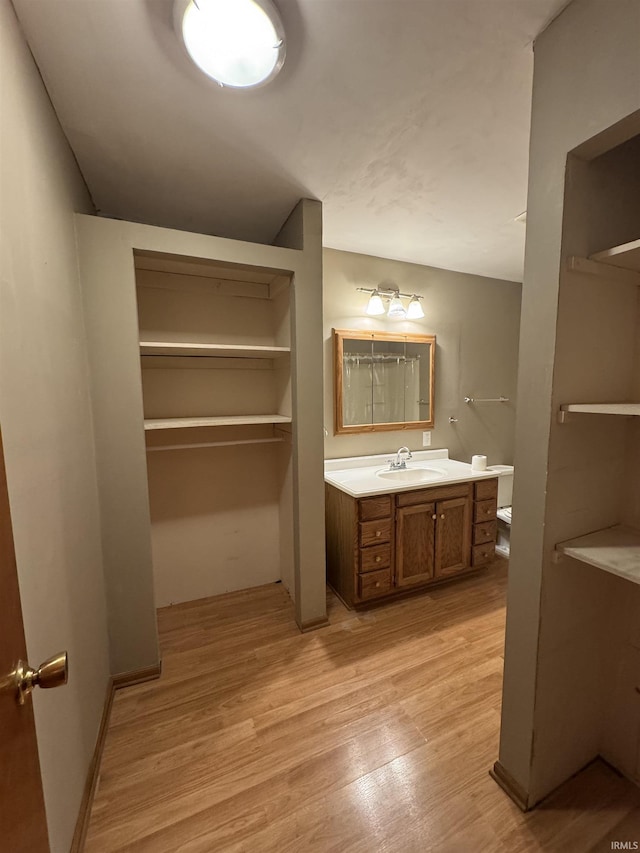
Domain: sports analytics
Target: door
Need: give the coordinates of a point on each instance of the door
(453, 537)
(22, 817)
(415, 539)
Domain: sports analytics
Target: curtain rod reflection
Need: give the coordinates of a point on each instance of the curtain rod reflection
(358, 357)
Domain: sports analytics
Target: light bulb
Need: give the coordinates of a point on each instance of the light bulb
(396, 309)
(414, 311)
(238, 43)
(375, 306)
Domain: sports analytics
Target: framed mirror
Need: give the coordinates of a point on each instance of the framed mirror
(383, 381)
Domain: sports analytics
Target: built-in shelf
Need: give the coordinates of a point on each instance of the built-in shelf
(196, 445)
(626, 256)
(224, 420)
(615, 550)
(600, 409)
(210, 350)
(620, 263)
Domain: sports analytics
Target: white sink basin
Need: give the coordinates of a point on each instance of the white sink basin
(412, 475)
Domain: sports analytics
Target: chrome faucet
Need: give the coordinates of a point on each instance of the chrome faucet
(400, 461)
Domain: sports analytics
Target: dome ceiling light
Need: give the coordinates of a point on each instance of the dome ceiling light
(238, 43)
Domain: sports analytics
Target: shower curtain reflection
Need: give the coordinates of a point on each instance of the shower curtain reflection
(381, 388)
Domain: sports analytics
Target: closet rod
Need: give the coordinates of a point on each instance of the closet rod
(214, 444)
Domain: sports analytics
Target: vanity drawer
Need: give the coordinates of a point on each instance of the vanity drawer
(443, 493)
(378, 507)
(482, 554)
(485, 489)
(485, 532)
(375, 557)
(484, 510)
(374, 584)
(375, 532)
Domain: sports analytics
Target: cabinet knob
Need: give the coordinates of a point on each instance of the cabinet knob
(377, 584)
(378, 558)
(434, 516)
(378, 532)
(442, 516)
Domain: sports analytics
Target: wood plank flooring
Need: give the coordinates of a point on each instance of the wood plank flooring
(375, 733)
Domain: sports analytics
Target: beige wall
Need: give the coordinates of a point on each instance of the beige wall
(586, 78)
(476, 323)
(46, 422)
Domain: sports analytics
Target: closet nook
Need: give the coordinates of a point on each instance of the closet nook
(207, 399)
(216, 383)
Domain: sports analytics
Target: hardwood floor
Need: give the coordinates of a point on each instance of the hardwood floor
(375, 733)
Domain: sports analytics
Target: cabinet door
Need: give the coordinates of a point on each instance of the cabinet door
(415, 542)
(453, 535)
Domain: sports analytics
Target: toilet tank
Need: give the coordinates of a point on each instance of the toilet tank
(505, 483)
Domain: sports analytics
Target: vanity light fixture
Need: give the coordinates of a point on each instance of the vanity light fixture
(414, 310)
(396, 309)
(238, 43)
(375, 305)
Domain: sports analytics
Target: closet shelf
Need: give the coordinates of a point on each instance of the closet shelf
(615, 550)
(211, 350)
(224, 420)
(626, 256)
(599, 409)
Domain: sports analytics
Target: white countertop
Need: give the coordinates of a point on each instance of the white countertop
(358, 475)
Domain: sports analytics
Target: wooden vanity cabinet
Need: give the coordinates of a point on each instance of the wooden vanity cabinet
(380, 546)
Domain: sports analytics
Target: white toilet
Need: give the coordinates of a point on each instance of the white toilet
(505, 493)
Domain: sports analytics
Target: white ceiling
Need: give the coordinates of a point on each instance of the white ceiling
(408, 119)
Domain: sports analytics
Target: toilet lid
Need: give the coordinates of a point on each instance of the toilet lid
(504, 514)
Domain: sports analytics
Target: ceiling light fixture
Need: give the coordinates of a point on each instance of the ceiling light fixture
(238, 43)
(396, 310)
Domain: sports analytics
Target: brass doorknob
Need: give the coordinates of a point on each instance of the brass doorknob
(52, 673)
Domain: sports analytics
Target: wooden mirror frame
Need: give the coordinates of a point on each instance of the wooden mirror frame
(339, 336)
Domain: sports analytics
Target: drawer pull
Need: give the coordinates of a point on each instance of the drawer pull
(378, 533)
(377, 584)
(378, 559)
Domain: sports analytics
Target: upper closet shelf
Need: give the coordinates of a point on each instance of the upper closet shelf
(626, 256)
(598, 409)
(224, 420)
(620, 263)
(211, 350)
(615, 550)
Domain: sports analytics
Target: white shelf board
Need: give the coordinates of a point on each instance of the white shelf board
(602, 408)
(211, 350)
(224, 420)
(615, 550)
(626, 256)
